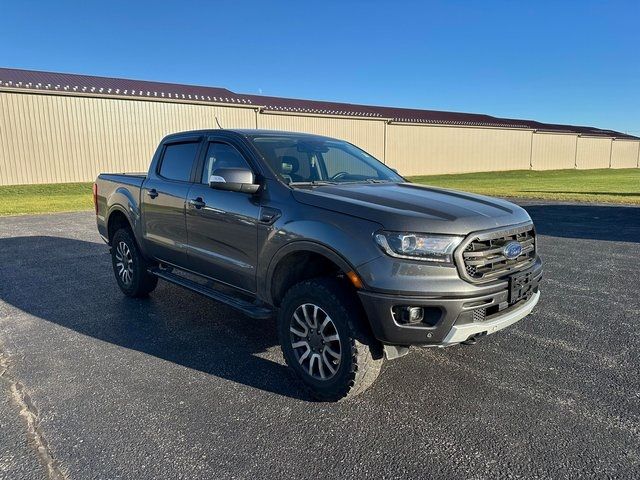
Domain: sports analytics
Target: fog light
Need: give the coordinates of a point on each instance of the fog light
(416, 314)
(411, 314)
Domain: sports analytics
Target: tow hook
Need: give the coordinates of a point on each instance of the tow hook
(472, 340)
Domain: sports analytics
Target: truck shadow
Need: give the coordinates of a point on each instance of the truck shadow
(70, 283)
(591, 222)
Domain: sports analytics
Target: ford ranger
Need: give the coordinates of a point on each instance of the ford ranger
(357, 263)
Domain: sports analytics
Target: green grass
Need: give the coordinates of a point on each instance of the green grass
(605, 185)
(60, 197)
(608, 186)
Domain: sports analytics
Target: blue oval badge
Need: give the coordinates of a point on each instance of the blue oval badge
(512, 250)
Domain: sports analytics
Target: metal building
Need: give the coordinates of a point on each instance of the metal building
(57, 127)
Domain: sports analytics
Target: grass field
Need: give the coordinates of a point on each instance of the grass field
(606, 185)
(610, 186)
(60, 197)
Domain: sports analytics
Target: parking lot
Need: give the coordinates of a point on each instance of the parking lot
(96, 385)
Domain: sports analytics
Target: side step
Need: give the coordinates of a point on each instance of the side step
(250, 309)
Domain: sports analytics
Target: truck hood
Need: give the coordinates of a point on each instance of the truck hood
(415, 208)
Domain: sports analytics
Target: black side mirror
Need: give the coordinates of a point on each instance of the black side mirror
(233, 180)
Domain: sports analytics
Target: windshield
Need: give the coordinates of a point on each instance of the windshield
(303, 160)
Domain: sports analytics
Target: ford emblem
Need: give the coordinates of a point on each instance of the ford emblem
(512, 250)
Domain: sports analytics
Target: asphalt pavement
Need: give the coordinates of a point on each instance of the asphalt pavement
(97, 385)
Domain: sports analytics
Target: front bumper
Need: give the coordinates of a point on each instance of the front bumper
(460, 333)
(454, 318)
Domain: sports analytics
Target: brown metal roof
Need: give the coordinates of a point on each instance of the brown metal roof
(90, 85)
(86, 84)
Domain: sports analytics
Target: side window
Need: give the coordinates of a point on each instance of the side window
(177, 161)
(221, 155)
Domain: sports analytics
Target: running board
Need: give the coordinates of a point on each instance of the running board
(250, 309)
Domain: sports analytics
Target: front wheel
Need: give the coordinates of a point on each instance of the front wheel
(324, 341)
(129, 267)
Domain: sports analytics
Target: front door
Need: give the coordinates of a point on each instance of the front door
(164, 194)
(222, 226)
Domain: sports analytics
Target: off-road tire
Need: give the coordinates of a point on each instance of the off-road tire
(142, 282)
(361, 356)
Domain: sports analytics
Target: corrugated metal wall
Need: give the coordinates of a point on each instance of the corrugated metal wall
(553, 151)
(53, 138)
(593, 152)
(46, 138)
(366, 134)
(624, 154)
(420, 149)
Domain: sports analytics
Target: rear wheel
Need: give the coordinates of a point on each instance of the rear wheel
(129, 267)
(324, 340)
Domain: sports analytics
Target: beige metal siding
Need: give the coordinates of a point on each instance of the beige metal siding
(49, 138)
(624, 154)
(593, 152)
(424, 150)
(552, 151)
(52, 138)
(366, 134)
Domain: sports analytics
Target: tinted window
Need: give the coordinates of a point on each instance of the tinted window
(177, 161)
(222, 155)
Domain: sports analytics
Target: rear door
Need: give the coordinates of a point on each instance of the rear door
(163, 200)
(222, 225)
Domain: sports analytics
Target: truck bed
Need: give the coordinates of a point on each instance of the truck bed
(134, 179)
(117, 188)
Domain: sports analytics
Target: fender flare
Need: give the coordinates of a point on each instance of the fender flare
(119, 209)
(121, 200)
(302, 246)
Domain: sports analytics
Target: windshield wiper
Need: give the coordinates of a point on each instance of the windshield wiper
(314, 182)
(377, 180)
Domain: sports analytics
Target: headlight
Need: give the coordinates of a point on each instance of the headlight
(419, 246)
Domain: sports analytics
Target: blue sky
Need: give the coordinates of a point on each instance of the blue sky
(561, 62)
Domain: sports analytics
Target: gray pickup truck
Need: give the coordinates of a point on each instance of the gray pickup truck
(357, 263)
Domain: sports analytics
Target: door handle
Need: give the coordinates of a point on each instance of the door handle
(197, 203)
(153, 193)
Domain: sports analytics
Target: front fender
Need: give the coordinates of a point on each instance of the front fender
(346, 241)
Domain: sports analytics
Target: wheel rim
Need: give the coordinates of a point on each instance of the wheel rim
(315, 341)
(124, 263)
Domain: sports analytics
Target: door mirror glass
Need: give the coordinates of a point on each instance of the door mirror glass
(233, 180)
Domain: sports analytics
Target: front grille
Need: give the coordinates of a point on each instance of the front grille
(481, 258)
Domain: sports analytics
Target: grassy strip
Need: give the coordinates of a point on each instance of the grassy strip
(60, 197)
(605, 185)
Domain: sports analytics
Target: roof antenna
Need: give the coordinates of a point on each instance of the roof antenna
(219, 126)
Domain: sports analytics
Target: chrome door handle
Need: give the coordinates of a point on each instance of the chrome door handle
(153, 193)
(197, 203)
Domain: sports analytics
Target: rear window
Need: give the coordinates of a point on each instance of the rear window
(177, 161)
